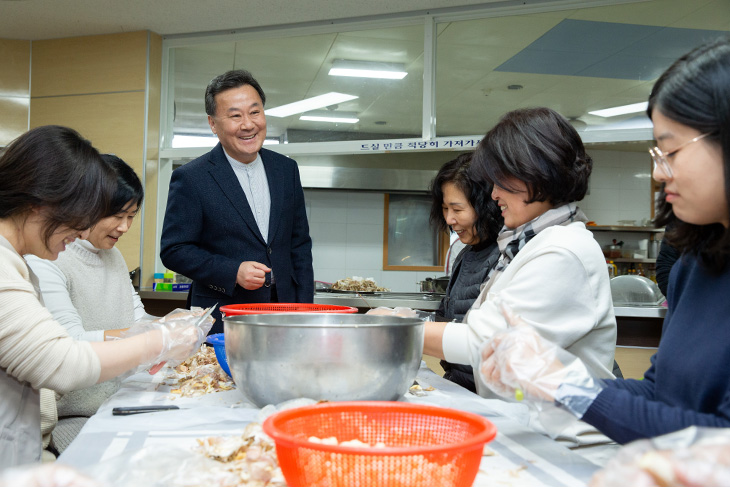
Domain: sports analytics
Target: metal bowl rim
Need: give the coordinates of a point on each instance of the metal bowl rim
(309, 320)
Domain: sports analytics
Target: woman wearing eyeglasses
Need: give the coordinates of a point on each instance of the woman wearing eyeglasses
(688, 383)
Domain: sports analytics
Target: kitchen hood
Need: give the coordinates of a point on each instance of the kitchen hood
(389, 173)
(366, 179)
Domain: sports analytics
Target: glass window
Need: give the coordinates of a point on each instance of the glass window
(411, 243)
(293, 69)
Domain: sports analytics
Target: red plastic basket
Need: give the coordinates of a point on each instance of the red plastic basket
(269, 308)
(424, 445)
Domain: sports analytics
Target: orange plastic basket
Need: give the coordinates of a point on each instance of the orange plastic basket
(269, 308)
(424, 445)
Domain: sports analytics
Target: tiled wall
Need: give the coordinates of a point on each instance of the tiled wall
(347, 227)
(620, 188)
(347, 238)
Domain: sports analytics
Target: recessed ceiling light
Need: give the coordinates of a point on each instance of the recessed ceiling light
(332, 117)
(308, 104)
(622, 110)
(368, 69)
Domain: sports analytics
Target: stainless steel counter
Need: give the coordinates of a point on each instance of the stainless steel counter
(166, 295)
(640, 311)
(422, 301)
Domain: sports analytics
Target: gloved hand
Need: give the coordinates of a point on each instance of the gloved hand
(403, 312)
(47, 475)
(520, 359)
(173, 337)
(692, 457)
(519, 363)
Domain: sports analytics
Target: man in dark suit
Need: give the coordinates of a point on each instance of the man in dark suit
(235, 222)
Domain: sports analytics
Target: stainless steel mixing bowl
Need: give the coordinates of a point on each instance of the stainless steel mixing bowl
(335, 357)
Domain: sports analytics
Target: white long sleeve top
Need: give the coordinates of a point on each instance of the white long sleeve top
(55, 285)
(35, 352)
(557, 283)
(34, 348)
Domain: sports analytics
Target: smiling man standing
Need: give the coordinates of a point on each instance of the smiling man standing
(236, 223)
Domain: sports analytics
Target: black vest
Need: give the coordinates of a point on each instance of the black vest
(470, 270)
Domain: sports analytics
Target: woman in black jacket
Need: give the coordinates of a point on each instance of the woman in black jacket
(464, 205)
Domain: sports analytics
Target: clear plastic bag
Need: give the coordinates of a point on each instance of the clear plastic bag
(692, 457)
(221, 461)
(519, 363)
(182, 331)
(47, 475)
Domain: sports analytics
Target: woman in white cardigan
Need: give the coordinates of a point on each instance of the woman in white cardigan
(551, 271)
(88, 291)
(53, 187)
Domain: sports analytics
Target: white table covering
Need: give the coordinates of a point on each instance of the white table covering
(521, 457)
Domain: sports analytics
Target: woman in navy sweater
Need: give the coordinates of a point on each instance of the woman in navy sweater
(688, 382)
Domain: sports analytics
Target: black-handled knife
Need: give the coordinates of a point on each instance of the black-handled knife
(125, 411)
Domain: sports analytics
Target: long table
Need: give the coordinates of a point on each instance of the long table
(520, 457)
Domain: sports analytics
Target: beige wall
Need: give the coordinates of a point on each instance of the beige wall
(14, 89)
(108, 88)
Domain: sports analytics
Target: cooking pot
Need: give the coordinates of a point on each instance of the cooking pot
(434, 284)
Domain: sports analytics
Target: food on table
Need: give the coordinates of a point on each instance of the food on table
(356, 443)
(251, 457)
(357, 283)
(417, 390)
(201, 374)
(393, 471)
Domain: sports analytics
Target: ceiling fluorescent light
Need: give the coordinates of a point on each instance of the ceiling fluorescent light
(622, 110)
(368, 69)
(332, 117)
(308, 104)
(184, 141)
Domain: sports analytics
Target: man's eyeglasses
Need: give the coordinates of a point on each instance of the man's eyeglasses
(660, 158)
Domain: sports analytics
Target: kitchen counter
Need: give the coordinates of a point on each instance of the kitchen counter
(520, 458)
(640, 311)
(422, 301)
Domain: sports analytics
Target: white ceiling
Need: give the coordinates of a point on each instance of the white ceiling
(50, 19)
(471, 92)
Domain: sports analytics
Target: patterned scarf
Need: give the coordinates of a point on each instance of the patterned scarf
(511, 241)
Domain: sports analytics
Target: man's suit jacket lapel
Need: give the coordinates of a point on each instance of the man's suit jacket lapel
(274, 178)
(222, 172)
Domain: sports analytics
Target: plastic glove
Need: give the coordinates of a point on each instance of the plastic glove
(520, 362)
(180, 334)
(48, 475)
(692, 457)
(403, 312)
